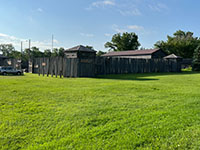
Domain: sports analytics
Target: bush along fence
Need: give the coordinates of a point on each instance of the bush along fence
(77, 67)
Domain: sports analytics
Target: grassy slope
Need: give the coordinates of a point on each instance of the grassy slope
(149, 111)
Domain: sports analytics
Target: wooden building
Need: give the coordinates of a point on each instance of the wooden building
(80, 52)
(84, 60)
(138, 54)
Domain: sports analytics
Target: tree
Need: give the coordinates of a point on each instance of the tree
(55, 52)
(196, 59)
(99, 53)
(61, 52)
(181, 43)
(35, 52)
(15, 54)
(126, 41)
(47, 53)
(90, 47)
(7, 49)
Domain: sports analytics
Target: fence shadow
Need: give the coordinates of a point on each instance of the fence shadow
(142, 76)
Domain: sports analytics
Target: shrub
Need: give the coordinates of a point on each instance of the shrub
(196, 59)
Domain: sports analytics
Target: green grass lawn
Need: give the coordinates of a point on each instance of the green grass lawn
(143, 111)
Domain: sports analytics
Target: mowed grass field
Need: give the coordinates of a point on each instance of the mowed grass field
(143, 111)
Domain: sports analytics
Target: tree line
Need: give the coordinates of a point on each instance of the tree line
(8, 50)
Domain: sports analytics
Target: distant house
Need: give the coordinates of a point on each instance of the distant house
(139, 54)
(80, 52)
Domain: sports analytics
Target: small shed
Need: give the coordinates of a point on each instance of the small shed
(80, 52)
(138, 54)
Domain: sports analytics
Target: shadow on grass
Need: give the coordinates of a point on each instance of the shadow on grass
(142, 76)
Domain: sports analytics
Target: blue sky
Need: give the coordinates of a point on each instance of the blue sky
(93, 22)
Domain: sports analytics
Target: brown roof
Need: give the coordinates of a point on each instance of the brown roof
(131, 52)
(80, 48)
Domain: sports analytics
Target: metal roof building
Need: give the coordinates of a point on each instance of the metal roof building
(139, 54)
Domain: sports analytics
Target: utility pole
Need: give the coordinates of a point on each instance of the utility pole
(21, 49)
(29, 56)
(52, 44)
(21, 54)
(21, 46)
(29, 48)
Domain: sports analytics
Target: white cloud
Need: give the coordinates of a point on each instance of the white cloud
(40, 10)
(55, 41)
(135, 27)
(7, 38)
(103, 3)
(108, 35)
(117, 29)
(16, 42)
(158, 7)
(129, 7)
(3, 35)
(130, 12)
(87, 35)
(124, 8)
(140, 30)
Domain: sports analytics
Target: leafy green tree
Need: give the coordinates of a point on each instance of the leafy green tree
(196, 59)
(15, 54)
(26, 54)
(7, 49)
(99, 53)
(61, 52)
(35, 52)
(47, 53)
(181, 43)
(126, 41)
(55, 52)
(90, 47)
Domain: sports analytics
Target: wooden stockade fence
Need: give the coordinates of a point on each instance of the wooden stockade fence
(76, 67)
(130, 65)
(63, 67)
(55, 66)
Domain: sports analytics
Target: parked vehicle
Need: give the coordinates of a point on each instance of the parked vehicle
(10, 70)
